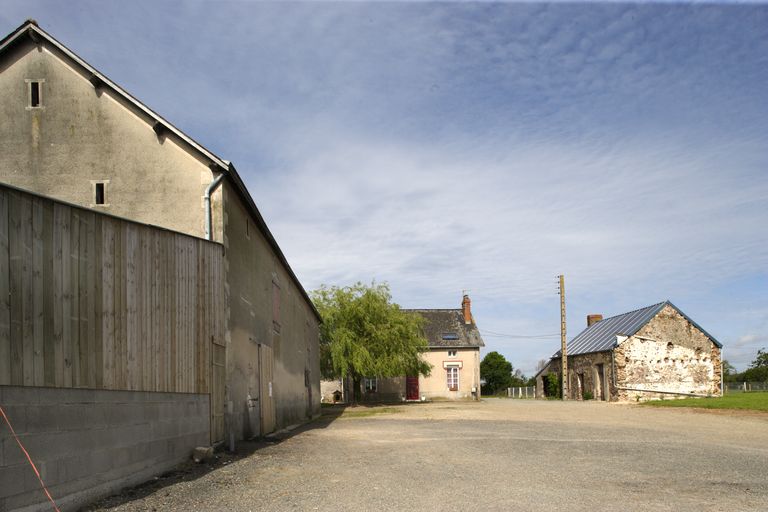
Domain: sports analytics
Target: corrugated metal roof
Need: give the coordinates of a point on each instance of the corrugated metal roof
(602, 335)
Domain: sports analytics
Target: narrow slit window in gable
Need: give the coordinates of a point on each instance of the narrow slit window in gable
(100, 193)
(34, 94)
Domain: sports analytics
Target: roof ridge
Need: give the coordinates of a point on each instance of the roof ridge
(633, 311)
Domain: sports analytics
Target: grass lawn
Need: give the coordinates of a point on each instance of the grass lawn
(755, 401)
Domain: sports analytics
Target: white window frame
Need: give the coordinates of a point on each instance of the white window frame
(370, 385)
(40, 82)
(448, 371)
(93, 193)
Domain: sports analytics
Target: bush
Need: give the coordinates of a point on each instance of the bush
(552, 385)
(587, 395)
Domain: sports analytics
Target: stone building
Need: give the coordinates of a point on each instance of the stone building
(653, 352)
(71, 134)
(454, 353)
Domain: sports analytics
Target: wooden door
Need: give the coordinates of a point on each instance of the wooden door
(266, 391)
(412, 388)
(218, 361)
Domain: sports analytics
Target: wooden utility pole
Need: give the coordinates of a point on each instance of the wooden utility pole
(563, 351)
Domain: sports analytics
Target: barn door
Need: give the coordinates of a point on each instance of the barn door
(218, 360)
(266, 391)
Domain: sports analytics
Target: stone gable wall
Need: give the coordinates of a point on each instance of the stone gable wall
(668, 354)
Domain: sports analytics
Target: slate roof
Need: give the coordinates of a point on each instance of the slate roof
(601, 336)
(449, 322)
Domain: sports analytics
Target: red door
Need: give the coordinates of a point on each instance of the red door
(412, 388)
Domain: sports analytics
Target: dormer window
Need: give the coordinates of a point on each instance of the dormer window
(35, 93)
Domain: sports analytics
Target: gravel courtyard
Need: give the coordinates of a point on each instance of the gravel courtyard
(491, 455)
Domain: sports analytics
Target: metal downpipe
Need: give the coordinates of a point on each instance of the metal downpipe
(207, 199)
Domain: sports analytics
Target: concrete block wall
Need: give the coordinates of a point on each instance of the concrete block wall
(89, 443)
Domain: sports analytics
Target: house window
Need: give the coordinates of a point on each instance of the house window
(453, 378)
(35, 93)
(371, 385)
(451, 353)
(247, 229)
(450, 336)
(99, 192)
(276, 306)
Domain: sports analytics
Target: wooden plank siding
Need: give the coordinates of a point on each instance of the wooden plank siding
(88, 300)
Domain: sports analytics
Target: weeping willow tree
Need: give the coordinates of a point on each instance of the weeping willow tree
(364, 334)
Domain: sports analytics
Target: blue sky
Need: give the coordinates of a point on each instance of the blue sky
(486, 147)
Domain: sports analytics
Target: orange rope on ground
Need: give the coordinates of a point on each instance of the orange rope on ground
(18, 441)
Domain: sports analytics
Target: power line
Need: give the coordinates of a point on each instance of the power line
(522, 340)
(505, 335)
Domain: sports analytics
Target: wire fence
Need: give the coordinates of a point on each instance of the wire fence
(523, 392)
(744, 387)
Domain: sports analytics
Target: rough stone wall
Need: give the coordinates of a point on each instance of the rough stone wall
(584, 373)
(668, 354)
(89, 443)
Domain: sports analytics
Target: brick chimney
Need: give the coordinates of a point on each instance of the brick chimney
(466, 308)
(593, 319)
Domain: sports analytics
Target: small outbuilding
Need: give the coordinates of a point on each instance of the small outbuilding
(653, 352)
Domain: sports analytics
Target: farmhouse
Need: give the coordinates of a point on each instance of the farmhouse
(454, 353)
(653, 352)
(139, 270)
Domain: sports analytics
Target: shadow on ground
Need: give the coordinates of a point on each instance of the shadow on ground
(190, 471)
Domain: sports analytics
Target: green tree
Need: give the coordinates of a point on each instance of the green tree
(728, 369)
(364, 334)
(496, 371)
(761, 361)
(758, 370)
(518, 379)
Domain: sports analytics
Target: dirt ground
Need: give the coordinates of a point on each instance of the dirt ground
(490, 455)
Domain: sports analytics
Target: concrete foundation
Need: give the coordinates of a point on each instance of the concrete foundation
(90, 443)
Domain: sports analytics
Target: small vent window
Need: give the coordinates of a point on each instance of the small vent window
(99, 192)
(35, 93)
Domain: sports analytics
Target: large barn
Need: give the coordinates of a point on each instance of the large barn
(145, 301)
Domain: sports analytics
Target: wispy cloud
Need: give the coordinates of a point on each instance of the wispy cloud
(478, 146)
